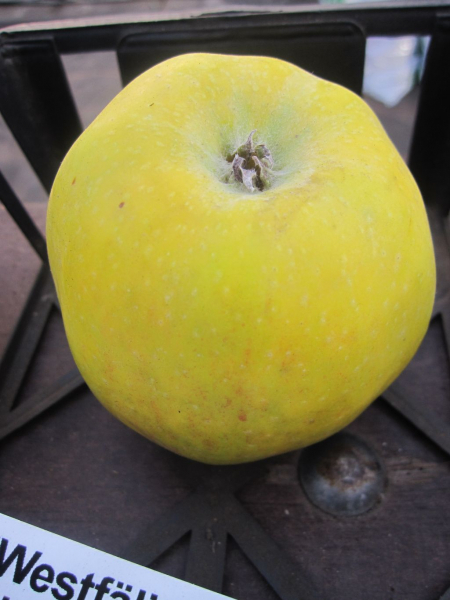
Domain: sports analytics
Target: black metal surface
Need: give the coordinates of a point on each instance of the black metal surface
(25, 338)
(333, 51)
(430, 152)
(27, 334)
(36, 103)
(88, 35)
(210, 514)
(19, 355)
(22, 219)
(415, 409)
(42, 400)
(342, 475)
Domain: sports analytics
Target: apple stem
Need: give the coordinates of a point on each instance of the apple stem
(251, 165)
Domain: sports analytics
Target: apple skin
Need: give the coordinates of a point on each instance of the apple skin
(224, 325)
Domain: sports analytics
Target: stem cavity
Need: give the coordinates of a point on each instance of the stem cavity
(251, 165)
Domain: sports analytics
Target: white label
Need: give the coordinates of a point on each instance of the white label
(38, 564)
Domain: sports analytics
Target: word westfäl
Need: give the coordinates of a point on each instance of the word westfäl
(43, 578)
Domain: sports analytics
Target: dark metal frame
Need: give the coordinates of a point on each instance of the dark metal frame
(37, 105)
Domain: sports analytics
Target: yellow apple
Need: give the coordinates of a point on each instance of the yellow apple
(243, 260)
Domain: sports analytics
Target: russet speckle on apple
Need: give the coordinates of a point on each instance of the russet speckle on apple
(243, 260)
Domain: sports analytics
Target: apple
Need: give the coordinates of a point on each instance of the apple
(243, 260)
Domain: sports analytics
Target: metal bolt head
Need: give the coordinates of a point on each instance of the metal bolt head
(342, 475)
